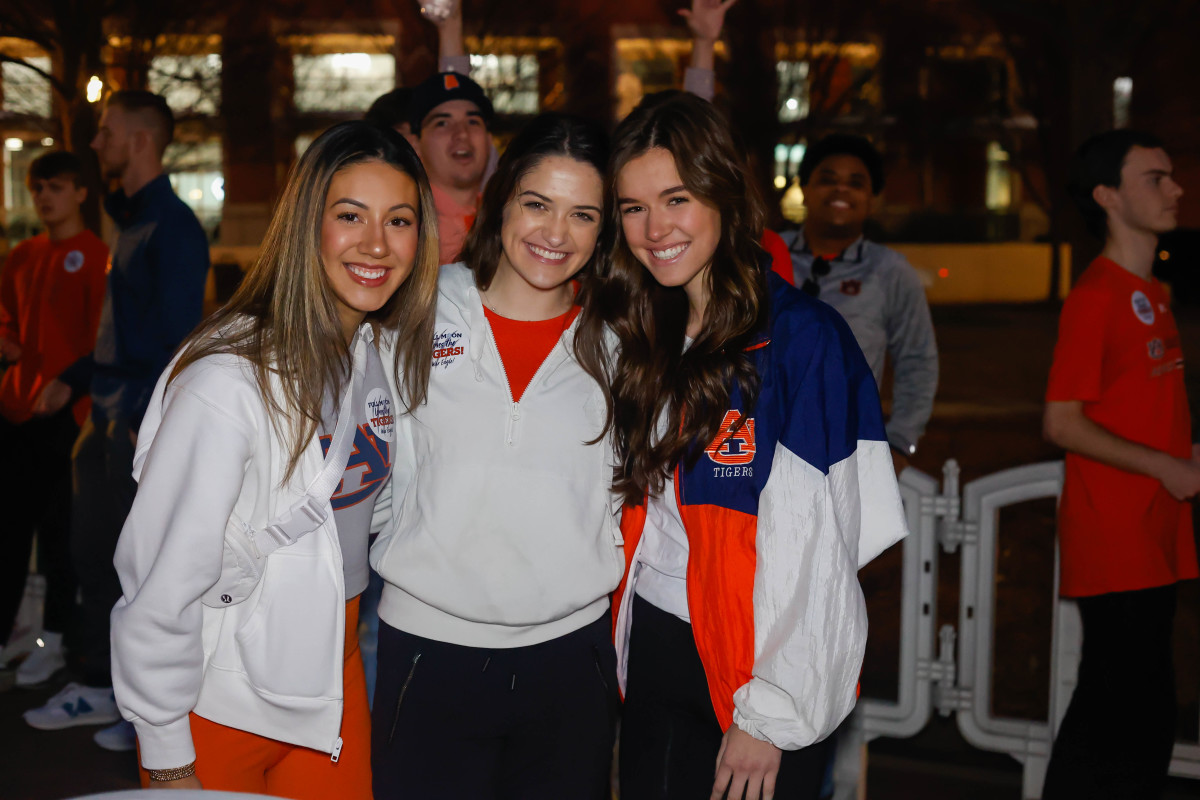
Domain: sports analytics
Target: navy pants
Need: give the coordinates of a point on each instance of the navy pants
(102, 494)
(670, 735)
(481, 724)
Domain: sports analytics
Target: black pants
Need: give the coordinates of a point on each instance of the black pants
(102, 494)
(476, 724)
(669, 732)
(1117, 736)
(35, 493)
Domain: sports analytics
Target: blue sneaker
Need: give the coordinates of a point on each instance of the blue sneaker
(75, 705)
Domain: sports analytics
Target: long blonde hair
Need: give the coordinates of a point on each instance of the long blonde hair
(283, 318)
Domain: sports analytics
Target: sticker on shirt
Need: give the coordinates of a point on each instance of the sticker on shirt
(379, 414)
(1155, 348)
(733, 450)
(74, 261)
(1142, 308)
(449, 348)
(851, 287)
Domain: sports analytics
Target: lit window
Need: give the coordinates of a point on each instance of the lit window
(645, 66)
(999, 178)
(191, 84)
(20, 218)
(510, 81)
(1122, 98)
(835, 79)
(26, 91)
(197, 177)
(341, 81)
(793, 90)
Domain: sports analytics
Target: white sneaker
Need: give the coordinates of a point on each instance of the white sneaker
(45, 660)
(119, 738)
(75, 705)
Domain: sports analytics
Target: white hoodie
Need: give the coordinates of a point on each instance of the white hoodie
(271, 665)
(507, 535)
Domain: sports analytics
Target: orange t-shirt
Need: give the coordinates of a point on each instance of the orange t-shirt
(50, 299)
(454, 221)
(524, 346)
(1118, 352)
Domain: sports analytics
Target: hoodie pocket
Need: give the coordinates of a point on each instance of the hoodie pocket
(290, 644)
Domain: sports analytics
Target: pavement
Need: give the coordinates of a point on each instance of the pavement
(994, 362)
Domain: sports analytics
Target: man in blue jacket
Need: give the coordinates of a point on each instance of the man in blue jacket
(154, 299)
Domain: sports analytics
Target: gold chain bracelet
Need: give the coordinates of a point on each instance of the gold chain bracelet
(175, 774)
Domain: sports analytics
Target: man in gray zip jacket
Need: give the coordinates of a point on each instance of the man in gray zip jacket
(872, 286)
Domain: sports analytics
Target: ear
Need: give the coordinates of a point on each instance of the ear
(1105, 196)
(142, 140)
(81, 193)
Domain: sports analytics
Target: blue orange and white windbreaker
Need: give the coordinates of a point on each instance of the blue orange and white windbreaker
(780, 516)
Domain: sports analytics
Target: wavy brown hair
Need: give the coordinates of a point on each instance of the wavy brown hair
(653, 374)
(283, 318)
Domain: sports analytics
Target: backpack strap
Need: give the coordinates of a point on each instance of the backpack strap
(310, 512)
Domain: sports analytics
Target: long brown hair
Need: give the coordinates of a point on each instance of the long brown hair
(547, 135)
(653, 374)
(283, 318)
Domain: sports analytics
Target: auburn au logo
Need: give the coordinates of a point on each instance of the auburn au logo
(733, 447)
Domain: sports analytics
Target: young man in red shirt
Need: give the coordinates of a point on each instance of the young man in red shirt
(1116, 403)
(51, 292)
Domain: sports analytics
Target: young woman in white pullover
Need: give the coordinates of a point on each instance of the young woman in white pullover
(496, 665)
(257, 685)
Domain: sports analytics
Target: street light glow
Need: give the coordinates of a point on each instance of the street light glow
(94, 87)
(13, 144)
(47, 142)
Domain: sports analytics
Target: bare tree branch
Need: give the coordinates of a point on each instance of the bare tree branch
(54, 82)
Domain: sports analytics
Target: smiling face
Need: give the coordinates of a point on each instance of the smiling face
(454, 145)
(1147, 201)
(369, 237)
(838, 196)
(671, 231)
(549, 227)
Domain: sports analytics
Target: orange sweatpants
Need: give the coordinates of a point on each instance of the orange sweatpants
(232, 760)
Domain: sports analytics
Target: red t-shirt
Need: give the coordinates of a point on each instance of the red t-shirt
(781, 259)
(1118, 352)
(50, 299)
(524, 346)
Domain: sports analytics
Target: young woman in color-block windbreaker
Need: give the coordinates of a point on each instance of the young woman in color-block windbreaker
(239, 665)
(755, 473)
(496, 665)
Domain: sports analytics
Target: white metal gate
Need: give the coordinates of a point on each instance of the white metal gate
(952, 671)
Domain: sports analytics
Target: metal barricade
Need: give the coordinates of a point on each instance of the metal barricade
(957, 678)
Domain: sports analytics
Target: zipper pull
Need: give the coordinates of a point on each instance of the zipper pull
(510, 429)
(253, 544)
(337, 750)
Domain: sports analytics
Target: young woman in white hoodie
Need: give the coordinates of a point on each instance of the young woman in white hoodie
(234, 644)
(496, 664)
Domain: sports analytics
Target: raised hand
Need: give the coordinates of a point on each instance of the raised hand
(706, 18)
